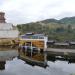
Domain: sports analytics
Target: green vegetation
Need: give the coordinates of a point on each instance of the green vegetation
(60, 30)
(72, 74)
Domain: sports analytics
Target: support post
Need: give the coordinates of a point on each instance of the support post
(45, 56)
(31, 50)
(25, 49)
(38, 50)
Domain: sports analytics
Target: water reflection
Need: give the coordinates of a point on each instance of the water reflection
(34, 57)
(61, 58)
(5, 55)
(40, 58)
(20, 67)
(2, 65)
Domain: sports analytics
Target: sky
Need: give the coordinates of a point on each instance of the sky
(25, 11)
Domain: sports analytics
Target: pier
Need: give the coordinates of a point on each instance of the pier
(68, 54)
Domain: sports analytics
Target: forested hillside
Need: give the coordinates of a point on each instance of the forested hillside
(61, 30)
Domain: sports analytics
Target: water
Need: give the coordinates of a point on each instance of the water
(17, 66)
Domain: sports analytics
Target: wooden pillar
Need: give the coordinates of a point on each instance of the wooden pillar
(45, 57)
(25, 49)
(45, 48)
(38, 50)
(31, 50)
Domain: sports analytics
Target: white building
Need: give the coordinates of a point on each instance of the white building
(7, 30)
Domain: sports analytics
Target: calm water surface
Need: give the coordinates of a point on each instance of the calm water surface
(19, 67)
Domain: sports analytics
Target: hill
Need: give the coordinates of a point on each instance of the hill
(63, 29)
(66, 20)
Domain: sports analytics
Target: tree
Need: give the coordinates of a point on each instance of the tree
(69, 29)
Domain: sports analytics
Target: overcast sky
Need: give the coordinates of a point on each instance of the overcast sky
(24, 11)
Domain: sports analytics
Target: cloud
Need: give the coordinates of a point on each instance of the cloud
(24, 11)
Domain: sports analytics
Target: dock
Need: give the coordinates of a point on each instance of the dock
(61, 52)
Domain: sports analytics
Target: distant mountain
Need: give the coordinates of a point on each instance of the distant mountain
(50, 21)
(66, 20)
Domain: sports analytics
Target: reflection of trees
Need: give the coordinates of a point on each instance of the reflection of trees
(2, 65)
